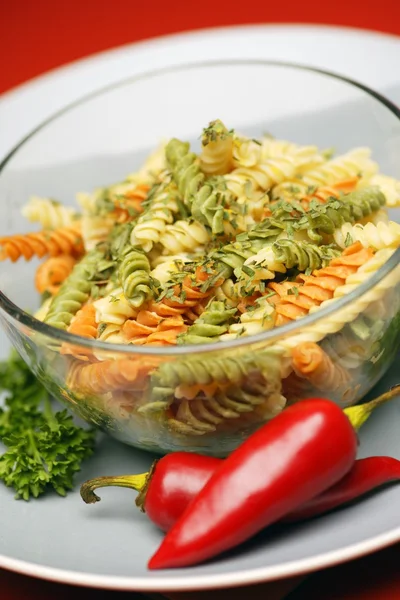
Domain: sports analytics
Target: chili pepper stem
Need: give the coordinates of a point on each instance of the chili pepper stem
(359, 414)
(134, 482)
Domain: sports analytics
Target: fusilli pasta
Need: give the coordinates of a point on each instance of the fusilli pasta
(83, 324)
(51, 274)
(184, 236)
(75, 290)
(163, 207)
(356, 163)
(312, 363)
(379, 236)
(389, 186)
(44, 243)
(217, 147)
(245, 236)
(134, 275)
(50, 213)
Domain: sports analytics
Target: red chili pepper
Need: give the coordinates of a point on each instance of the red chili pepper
(366, 475)
(294, 457)
(166, 490)
(174, 480)
(181, 476)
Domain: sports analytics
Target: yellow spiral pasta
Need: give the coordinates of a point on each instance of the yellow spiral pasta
(261, 318)
(184, 236)
(112, 334)
(217, 146)
(164, 266)
(246, 152)
(357, 162)
(49, 213)
(244, 180)
(389, 186)
(114, 309)
(228, 293)
(379, 236)
(151, 225)
(307, 157)
(95, 229)
(153, 169)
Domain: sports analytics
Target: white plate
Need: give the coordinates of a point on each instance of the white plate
(108, 545)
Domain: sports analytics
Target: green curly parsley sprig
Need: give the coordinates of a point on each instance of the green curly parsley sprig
(44, 449)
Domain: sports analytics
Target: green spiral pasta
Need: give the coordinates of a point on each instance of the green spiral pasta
(134, 275)
(232, 369)
(76, 289)
(206, 199)
(326, 218)
(209, 205)
(232, 256)
(213, 322)
(185, 169)
(288, 253)
(163, 207)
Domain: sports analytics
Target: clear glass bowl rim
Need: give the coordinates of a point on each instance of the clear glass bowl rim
(18, 314)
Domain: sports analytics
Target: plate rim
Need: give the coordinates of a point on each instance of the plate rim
(202, 582)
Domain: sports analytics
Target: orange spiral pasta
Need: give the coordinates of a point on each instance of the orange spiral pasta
(189, 291)
(130, 204)
(110, 375)
(50, 274)
(320, 195)
(150, 328)
(65, 240)
(83, 324)
(160, 323)
(312, 363)
(312, 290)
(323, 193)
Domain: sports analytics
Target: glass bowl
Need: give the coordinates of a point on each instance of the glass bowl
(100, 139)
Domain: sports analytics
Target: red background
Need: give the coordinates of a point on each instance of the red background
(39, 35)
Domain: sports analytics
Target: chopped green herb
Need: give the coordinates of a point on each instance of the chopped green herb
(250, 272)
(294, 291)
(348, 241)
(101, 329)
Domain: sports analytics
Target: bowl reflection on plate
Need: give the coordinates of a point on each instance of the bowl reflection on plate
(101, 138)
